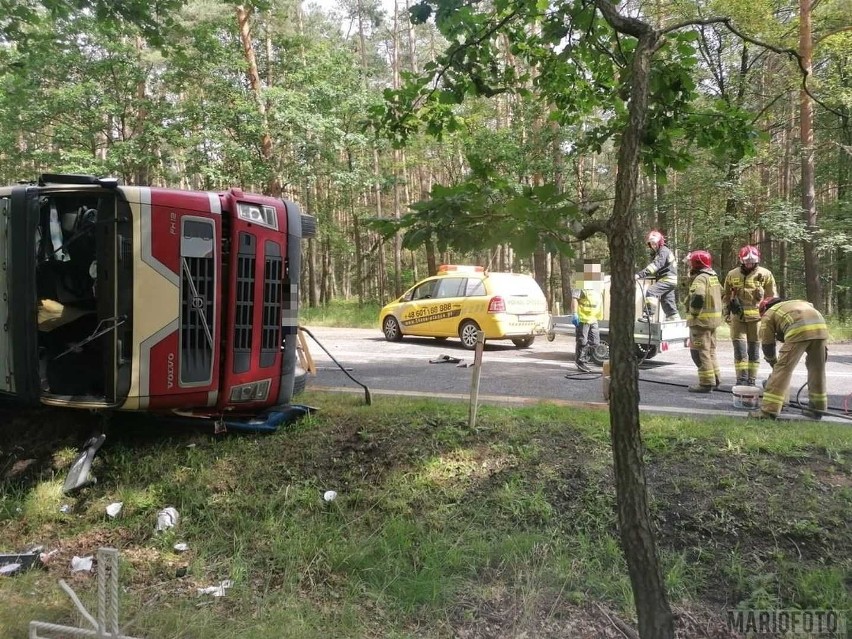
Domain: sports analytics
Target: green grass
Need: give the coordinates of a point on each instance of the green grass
(342, 314)
(438, 531)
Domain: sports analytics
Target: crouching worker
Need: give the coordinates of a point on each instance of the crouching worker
(704, 315)
(802, 330)
(589, 310)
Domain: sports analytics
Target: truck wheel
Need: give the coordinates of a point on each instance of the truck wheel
(467, 334)
(600, 354)
(523, 342)
(391, 329)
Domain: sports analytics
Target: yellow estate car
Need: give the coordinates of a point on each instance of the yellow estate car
(461, 300)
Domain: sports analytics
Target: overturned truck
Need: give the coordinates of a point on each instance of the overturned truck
(149, 299)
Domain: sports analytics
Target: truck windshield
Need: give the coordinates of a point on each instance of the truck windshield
(77, 272)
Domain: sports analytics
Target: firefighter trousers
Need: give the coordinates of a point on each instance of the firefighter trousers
(702, 347)
(779, 381)
(665, 291)
(746, 349)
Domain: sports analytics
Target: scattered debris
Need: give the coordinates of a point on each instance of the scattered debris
(106, 624)
(216, 591)
(445, 359)
(464, 364)
(46, 557)
(114, 508)
(81, 564)
(330, 495)
(181, 547)
(15, 562)
(65, 508)
(167, 518)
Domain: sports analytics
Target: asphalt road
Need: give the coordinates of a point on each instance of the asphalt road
(514, 375)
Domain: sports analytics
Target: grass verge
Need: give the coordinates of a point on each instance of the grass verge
(438, 531)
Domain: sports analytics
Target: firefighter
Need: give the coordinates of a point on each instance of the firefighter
(704, 315)
(802, 329)
(745, 286)
(589, 311)
(663, 270)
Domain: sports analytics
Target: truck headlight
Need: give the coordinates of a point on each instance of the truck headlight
(258, 214)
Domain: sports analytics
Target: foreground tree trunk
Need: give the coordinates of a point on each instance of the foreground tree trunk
(806, 135)
(635, 525)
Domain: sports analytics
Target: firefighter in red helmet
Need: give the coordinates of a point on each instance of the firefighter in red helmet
(663, 271)
(704, 316)
(745, 286)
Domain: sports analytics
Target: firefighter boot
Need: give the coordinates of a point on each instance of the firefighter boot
(742, 378)
(700, 388)
(759, 414)
(751, 381)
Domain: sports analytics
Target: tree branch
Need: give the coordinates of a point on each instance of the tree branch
(622, 24)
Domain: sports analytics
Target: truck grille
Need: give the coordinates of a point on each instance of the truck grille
(272, 285)
(243, 322)
(198, 297)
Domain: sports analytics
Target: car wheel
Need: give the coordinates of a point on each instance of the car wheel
(523, 342)
(391, 329)
(600, 353)
(645, 351)
(467, 334)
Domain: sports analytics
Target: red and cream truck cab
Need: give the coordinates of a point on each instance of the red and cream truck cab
(132, 298)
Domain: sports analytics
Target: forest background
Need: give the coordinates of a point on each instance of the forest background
(282, 97)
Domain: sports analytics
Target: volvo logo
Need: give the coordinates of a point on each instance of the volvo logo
(197, 302)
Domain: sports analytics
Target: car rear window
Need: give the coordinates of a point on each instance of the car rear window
(515, 285)
(474, 287)
(451, 287)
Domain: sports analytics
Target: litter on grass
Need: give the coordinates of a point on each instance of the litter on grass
(216, 591)
(81, 564)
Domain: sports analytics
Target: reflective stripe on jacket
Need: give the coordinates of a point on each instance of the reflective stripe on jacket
(749, 288)
(663, 268)
(792, 321)
(705, 290)
(589, 306)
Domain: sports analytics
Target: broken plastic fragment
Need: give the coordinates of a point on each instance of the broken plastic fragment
(216, 591)
(181, 547)
(330, 495)
(167, 518)
(80, 564)
(114, 508)
(65, 508)
(444, 359)
(9, 569)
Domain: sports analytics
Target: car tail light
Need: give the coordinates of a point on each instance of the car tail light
(497, 305)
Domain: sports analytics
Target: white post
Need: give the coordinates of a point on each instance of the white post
(474, 382)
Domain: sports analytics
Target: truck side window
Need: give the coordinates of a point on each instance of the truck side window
(451, 287)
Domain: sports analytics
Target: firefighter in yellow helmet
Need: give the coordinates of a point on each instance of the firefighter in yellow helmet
(745, 286)
(802, 330)
(704, 315)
